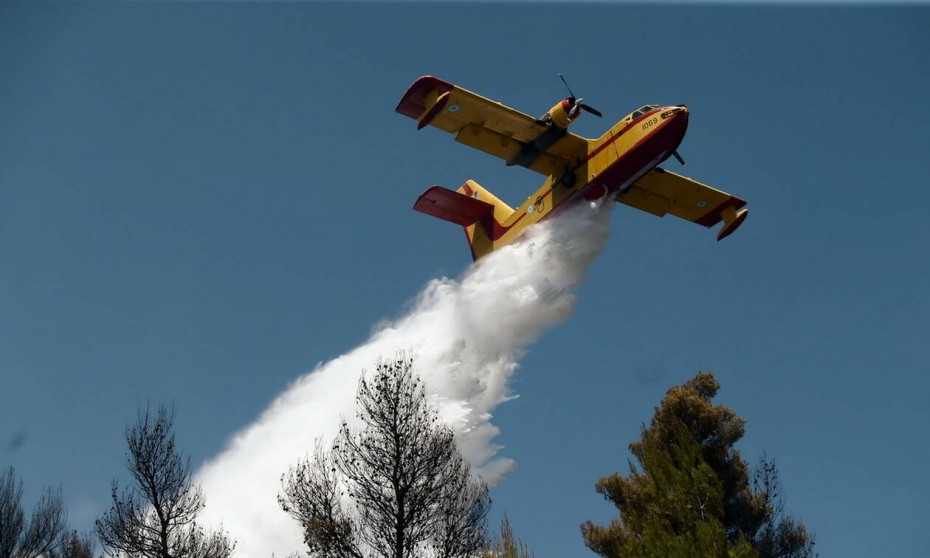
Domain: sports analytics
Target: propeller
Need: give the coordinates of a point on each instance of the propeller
(576, 102)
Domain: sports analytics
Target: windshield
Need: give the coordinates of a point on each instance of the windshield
(637, 113)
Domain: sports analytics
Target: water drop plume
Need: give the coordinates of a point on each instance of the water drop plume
(468, 336)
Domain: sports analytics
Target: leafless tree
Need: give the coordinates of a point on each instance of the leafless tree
(156, 516)
(42, 533)
(75, 545)
(398, 488)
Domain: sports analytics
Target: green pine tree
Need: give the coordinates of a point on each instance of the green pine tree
(690, 494)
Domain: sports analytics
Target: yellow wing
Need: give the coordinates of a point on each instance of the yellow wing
(660, 191)
(489, 126)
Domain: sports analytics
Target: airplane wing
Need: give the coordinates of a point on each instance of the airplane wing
(660, 191)
(492, 127)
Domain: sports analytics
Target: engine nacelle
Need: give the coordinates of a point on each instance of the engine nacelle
(563, 113)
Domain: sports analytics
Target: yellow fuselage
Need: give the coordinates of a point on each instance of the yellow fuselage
(614, 161)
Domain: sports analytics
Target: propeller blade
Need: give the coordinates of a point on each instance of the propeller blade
(591, 109)
(567, 87)
(576, 102)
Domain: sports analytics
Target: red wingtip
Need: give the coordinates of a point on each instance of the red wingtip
(412, 104)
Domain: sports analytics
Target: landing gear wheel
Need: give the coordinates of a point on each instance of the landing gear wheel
(568, 179)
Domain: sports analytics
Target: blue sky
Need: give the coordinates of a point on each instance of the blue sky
(200, 202)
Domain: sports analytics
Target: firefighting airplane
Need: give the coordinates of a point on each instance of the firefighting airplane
(622, 163)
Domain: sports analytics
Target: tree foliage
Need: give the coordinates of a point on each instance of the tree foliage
(397, 488)
(691, 492)
(506, 545)
(780, 535)
(39, 535)
(156, 516)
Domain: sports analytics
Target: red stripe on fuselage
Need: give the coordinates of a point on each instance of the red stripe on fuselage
(614, 138)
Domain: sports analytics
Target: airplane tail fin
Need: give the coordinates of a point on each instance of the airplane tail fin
(477, 210)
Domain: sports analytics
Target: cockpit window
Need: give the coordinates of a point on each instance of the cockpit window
(639, 112)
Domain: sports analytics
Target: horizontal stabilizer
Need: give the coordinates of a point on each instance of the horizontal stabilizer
(452, 206)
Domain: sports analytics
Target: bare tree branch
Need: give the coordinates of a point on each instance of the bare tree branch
(42, 533)
(75, 545)
(397, 488)
(779, 536)
(155, 517)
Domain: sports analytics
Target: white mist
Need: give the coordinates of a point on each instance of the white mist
(468, 335)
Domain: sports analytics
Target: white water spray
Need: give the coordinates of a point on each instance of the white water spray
(468, 336)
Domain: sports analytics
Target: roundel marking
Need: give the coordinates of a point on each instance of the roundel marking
(701, 203)
(454, 107)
